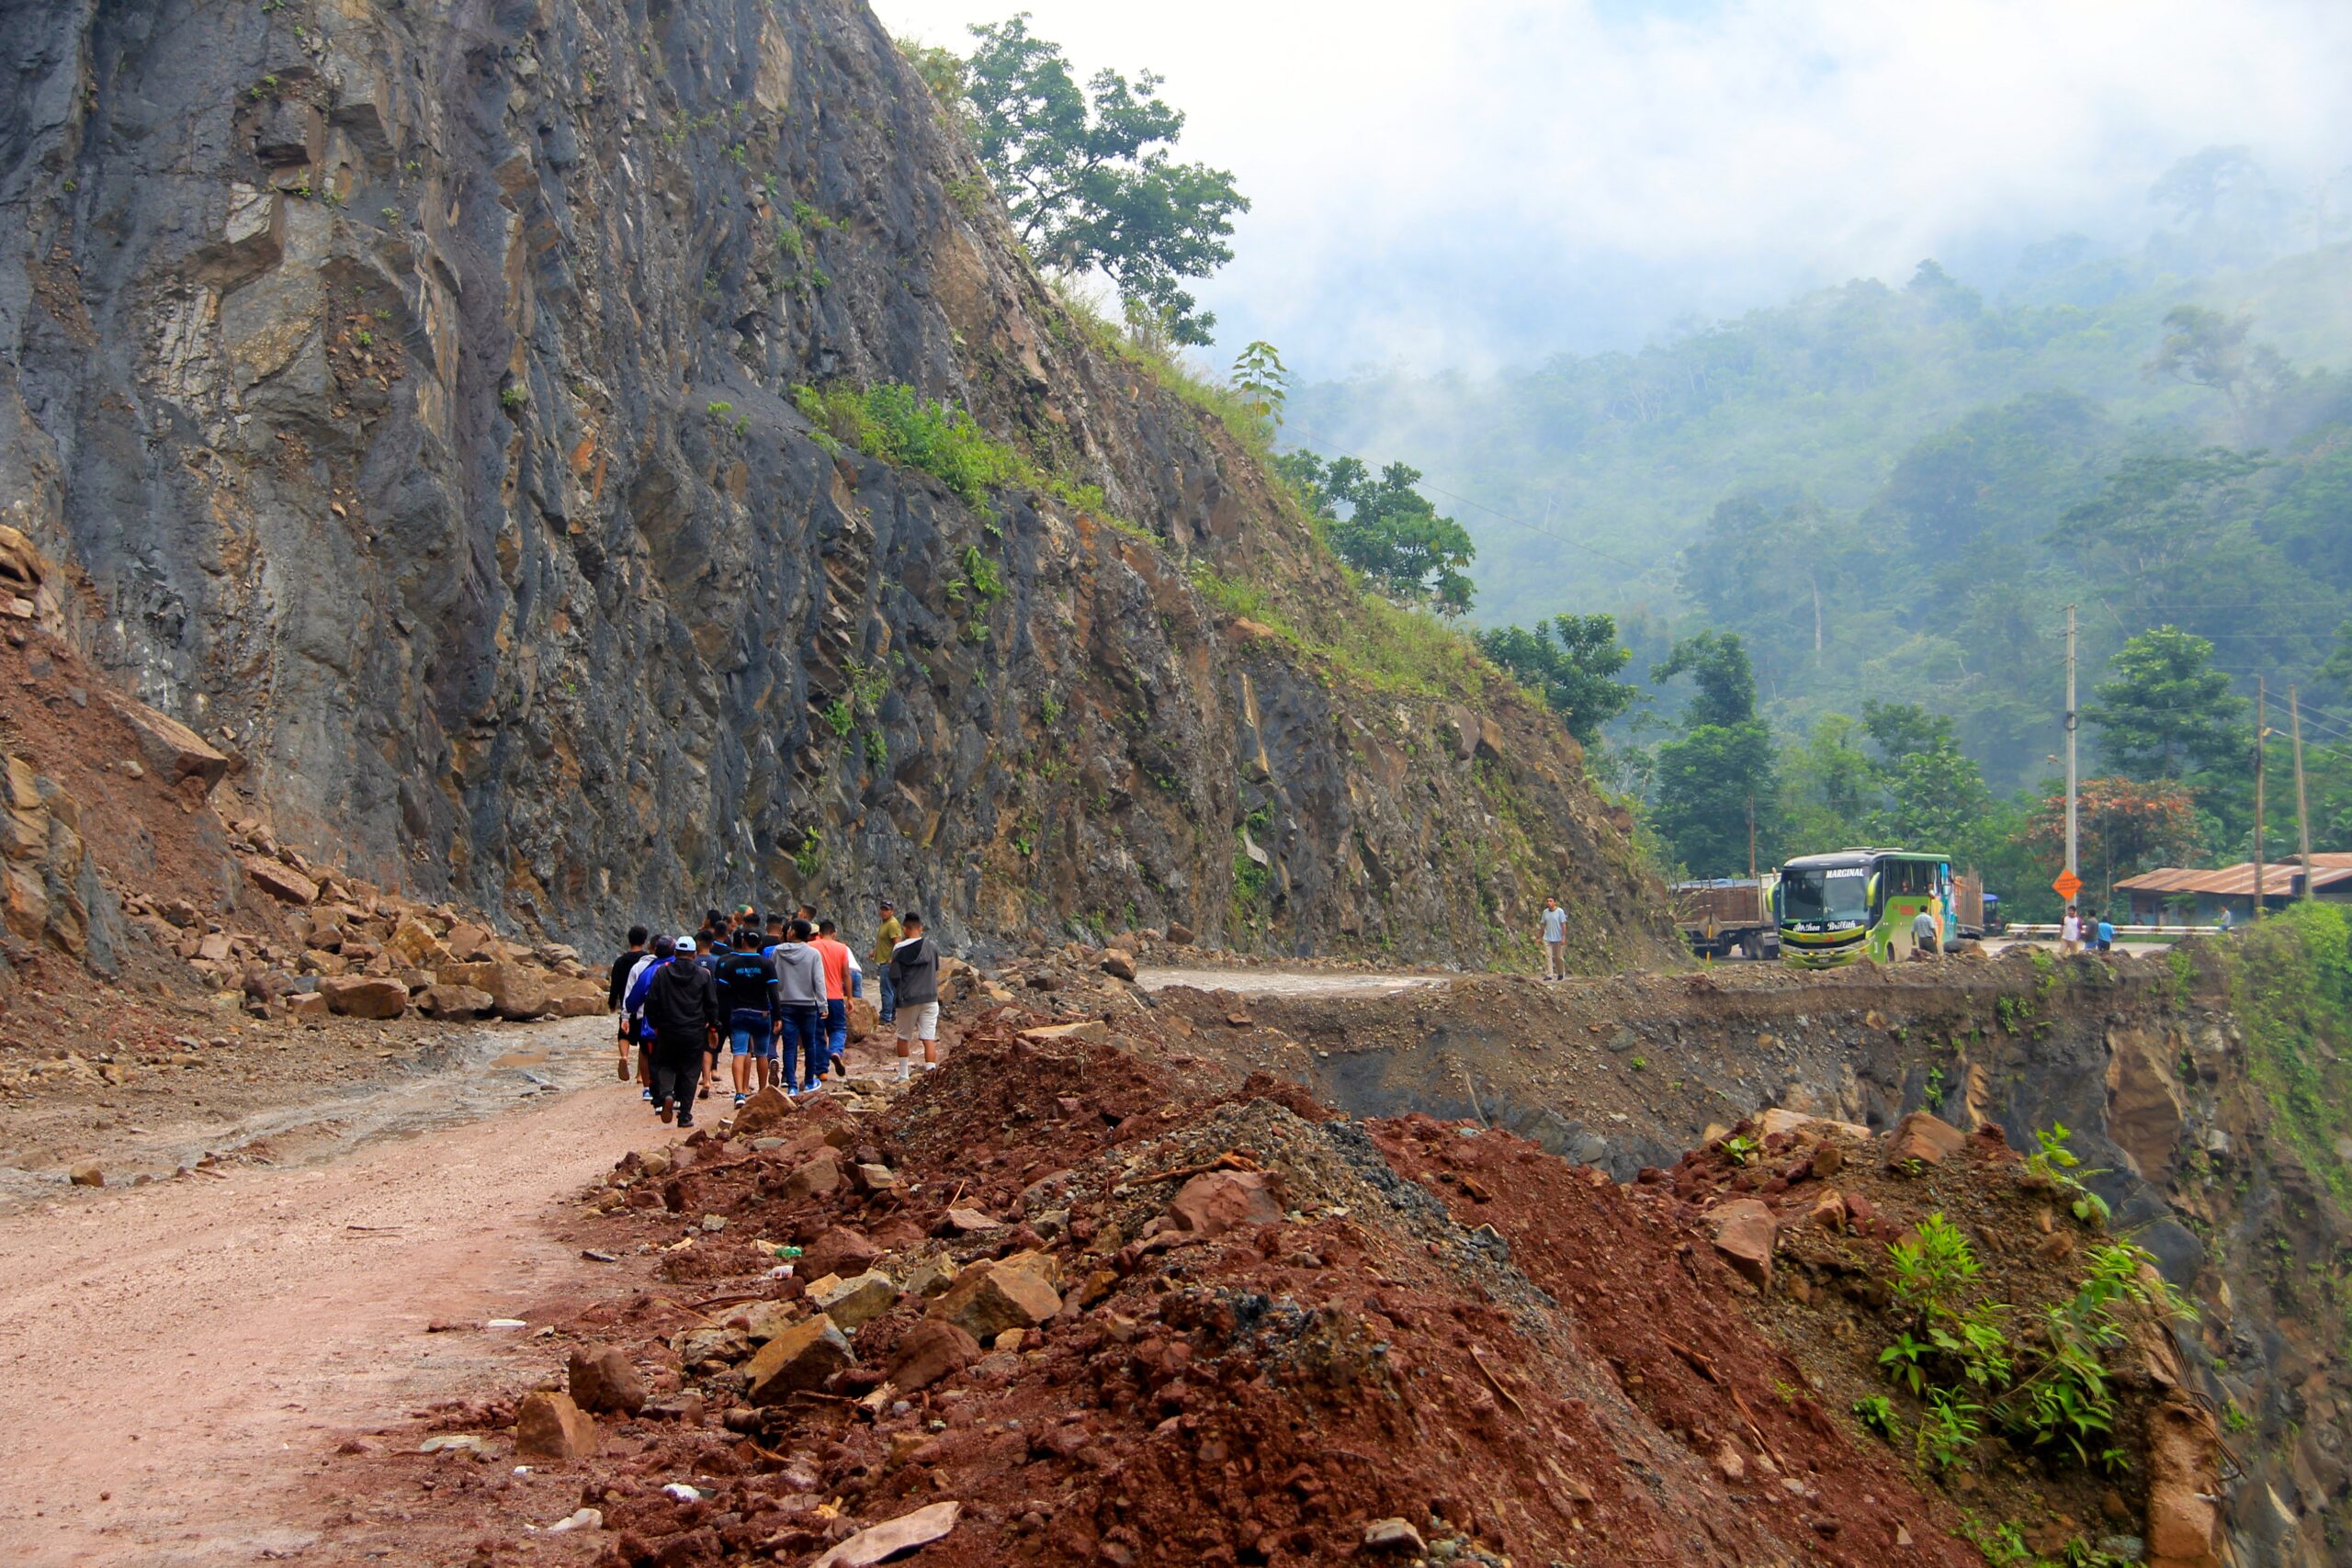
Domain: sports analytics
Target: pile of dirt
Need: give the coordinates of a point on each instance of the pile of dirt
(1115, 1313)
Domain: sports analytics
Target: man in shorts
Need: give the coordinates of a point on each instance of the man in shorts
(747, 1000)
(914, 974)
(617, 992)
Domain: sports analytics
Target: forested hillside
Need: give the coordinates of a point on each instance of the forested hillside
(1889, 495)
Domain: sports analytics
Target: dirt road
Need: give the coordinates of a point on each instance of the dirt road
(1285, 982)
(179, 1357)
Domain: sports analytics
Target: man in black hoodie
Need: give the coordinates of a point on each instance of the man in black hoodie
(682, 1004)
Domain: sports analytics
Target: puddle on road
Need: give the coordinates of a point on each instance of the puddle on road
(450, 1079)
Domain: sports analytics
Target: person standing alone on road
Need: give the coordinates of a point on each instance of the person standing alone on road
(912, 983)
(682, 1004)
(1556, 939)
(800, 1005)
(617, 992)
(886, 937)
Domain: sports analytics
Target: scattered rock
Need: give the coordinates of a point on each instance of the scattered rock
(452, 1001)
(886, 1542)
(1179, 935)
(1218, 1200)
(929, 1351)
(856, 1302)
(601, 1379)
(550, 1425)
(968, 1222)
(839, 1250)
(819, 1175)
(1924, 1138)
(1744, 1232)
(1394, 1535)
(1119, 964)
(987, 1299)
(803, 1357)
(279, 880)
(171, 748)
(364, 996)
(87, 1174)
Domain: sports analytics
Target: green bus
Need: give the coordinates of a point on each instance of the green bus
(1849, 904)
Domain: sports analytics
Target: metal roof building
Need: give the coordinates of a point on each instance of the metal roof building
(2197, 897)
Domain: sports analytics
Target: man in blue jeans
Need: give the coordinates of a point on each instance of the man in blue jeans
(800, 1007)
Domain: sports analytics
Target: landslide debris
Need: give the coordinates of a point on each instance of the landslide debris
(1117, 1312)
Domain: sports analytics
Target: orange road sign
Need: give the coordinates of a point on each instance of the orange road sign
(2067, 885)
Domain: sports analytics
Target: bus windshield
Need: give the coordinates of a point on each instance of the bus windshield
(1824, 893)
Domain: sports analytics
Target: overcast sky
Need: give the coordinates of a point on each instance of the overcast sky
(1462, 184)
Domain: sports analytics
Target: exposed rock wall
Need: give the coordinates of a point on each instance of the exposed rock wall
(409, 389)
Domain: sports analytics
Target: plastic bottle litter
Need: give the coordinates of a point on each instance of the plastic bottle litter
(585, 1520)
(506, 1322)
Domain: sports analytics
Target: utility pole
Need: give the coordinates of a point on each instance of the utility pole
(2261, 707)
(1751, 836)
(2303, 809)
(2071, 866)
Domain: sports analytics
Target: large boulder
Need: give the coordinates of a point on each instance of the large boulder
(518, 993)
(602, 1378)
(364, 996)
(855, 1302)
(987, 1299)
(1924, 1138)
(452, 1001)
(764, 1112)
(1744, 1231)
(863, 1019)
(929, 1351)
(838, 1251)
(802, 1357)
(414, 939)
(280, 881)
(575, 999)
(550, 1426)
(171, 748)
(1218, 1200)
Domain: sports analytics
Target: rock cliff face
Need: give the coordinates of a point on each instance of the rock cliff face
(407, 389)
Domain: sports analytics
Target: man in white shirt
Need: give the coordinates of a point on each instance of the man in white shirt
(2070, 933)
(1556, 939)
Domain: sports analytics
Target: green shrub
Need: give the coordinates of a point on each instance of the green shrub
(891, 422)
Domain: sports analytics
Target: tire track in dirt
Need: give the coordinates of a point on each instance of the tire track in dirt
(180, 1356)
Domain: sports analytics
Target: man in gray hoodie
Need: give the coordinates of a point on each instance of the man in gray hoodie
(800, 1007)
(914, 984)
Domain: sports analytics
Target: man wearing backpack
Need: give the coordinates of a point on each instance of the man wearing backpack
(747, 1000)
(682, 1004)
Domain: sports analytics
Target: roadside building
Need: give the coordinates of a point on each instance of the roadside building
(2169, 895)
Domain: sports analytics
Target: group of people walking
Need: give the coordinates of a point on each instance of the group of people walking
(772, 995)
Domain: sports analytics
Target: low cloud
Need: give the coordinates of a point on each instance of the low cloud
(1494, 181)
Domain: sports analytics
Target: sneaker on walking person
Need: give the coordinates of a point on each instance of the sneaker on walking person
(617, 992)
(913, 972)
(839, 964)
(800, 1007)
(747, 1002)
(1556, 939)
(682, 1006)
